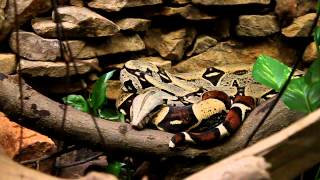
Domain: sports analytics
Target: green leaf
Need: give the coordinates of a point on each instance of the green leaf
(98, 96)
(313, 74)
(295, 96)
(316, 34)
(270, 72)
(77, 101)
(111, 114)
(313, 96)
(318, 6)
(114, 168)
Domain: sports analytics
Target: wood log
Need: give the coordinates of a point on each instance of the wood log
(46, 116)
(289, 152)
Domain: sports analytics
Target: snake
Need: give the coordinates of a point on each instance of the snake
(200, 107)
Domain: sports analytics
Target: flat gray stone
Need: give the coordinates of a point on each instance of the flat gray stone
(300, 27)
(117, 5)
(133, 24)
(27, 9)
(45, 27)
(34, 47)
(170, 44)
(202, 44)
(7, 63)
(189, 12)
(231, 2)
(257, 25)
(234, 52)
(112, 45)
(91, 24)
(310, 53)
(56, 69)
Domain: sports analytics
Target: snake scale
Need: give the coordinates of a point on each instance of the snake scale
(182, 103)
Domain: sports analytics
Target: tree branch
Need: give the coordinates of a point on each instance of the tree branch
(44, 115)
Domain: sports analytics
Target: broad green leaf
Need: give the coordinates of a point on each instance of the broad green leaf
(313, 96)
(318, 6)
(270, 72)
(77, 101)
(316, 34)
(111, 114)
(114, 168)
(313, 74)
(295, 96)
(98, 96)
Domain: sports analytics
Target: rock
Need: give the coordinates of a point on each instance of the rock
(26, 10)
(180, 2)
(310, 53)
(257, 25)
(91, 24)
(78, 3)
(286, 10)
(26, 146)
(202, 44)
(56, 69)
(117, 5)
(7, 63)
(170, 44)
(231, 2)
(114, 89)
(133, 24)
(45, 27)
(189, 12)
(289, 9)
(34, 47)
(300, 27)
(303, 7)
(112, 45)
(2, 15)
(233, 52)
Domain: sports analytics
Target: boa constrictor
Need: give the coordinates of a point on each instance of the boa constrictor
(182, 103)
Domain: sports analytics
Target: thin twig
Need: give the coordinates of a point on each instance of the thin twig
(17, 56)
(68, 58)
(50, 156)
(80, 162)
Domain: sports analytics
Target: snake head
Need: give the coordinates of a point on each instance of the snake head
(144, 106)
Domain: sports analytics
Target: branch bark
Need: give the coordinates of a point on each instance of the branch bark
(44, 115)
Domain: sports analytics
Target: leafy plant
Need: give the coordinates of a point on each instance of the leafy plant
(302, 94)
(114, 168)
(97, 101)
(120, 169)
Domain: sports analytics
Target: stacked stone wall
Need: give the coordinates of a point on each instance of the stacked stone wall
(182, 34)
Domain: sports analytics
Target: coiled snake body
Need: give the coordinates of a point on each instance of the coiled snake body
(182, 102)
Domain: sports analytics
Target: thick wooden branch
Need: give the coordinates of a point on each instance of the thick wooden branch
(45, 116)
(290, 152)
